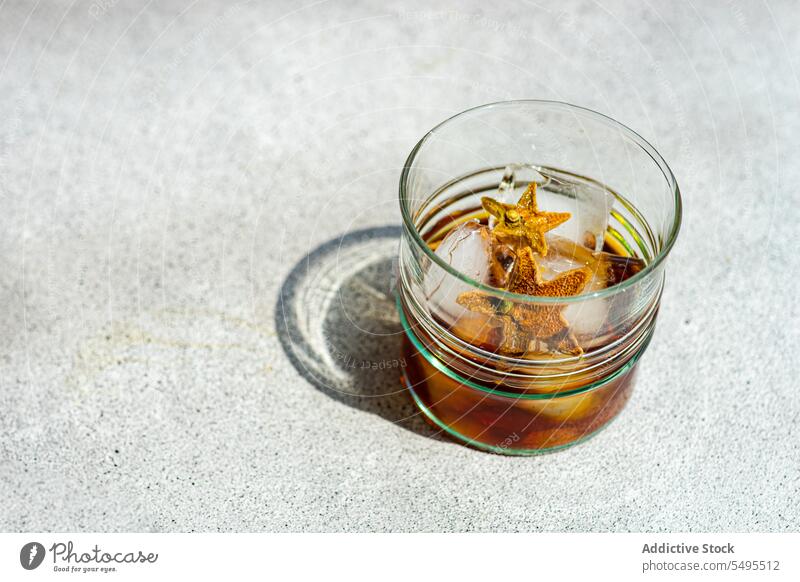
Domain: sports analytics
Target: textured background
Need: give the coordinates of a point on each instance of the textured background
(166, 167)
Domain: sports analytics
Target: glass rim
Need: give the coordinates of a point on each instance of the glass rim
(625, 130)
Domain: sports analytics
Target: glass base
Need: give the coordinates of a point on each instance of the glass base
(499, 450)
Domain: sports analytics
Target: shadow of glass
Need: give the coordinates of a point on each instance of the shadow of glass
(337, 323)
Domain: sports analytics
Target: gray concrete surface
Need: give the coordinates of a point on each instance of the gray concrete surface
(167, 167)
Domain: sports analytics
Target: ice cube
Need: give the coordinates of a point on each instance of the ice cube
(589, 319)
(470, 250)
(586, 318)
(564, 255)
(589, 205)
(466, 249)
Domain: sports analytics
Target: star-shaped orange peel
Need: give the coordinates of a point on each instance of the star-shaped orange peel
(524, 221)
(523, 323)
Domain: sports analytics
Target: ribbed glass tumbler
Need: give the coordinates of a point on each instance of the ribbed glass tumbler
(495, 378)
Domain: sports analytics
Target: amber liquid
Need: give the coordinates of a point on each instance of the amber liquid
(506, 423)
(504, 418)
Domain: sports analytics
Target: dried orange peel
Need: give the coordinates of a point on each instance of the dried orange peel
(524, 323)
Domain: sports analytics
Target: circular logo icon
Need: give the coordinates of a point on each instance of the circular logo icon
(31, 555)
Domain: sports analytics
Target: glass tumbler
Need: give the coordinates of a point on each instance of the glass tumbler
(463, 370)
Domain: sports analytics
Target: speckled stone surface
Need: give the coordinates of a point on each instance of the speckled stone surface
(169, 170)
